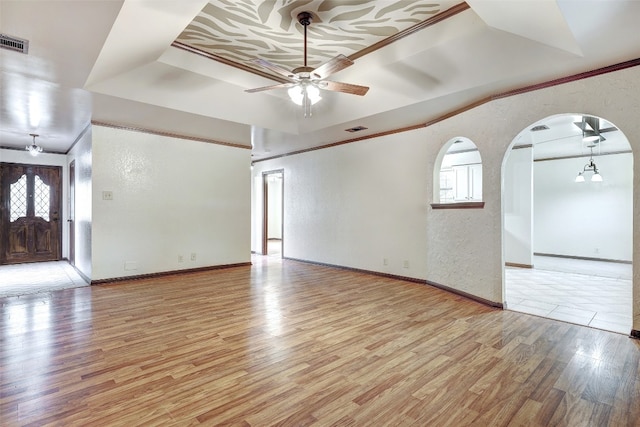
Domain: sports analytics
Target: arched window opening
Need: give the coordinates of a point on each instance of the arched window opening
(458, 179)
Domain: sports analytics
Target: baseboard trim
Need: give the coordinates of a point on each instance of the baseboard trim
(80, 273)
(466, 295)
(619, 261)
(515, 264)
(167, 273)
(360, 270)
(635, 334)
(406, 279)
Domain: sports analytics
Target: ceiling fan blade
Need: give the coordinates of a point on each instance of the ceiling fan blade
(333, 65)
(275, 68)
(609, 129)
(260, 89)
(343, 87)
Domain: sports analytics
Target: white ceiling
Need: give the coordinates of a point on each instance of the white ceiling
(113, 61)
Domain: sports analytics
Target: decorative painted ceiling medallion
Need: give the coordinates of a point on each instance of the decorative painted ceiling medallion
(244, 30)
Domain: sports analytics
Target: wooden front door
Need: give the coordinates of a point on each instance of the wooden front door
(30, 203)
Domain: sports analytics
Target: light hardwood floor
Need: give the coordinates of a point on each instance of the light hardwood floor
(287, 343)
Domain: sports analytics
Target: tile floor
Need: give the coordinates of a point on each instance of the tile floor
(590, 293)
(38, 277)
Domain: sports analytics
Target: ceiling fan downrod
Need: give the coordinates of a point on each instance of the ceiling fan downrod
(305, 18)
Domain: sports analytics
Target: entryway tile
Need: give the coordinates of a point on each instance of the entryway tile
(590, 293)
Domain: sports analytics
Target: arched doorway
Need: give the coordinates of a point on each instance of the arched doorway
(568, 222)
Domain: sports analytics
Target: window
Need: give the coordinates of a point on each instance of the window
(41, 199)
(18, 199)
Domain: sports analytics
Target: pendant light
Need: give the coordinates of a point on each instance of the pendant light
(34, 149)
(590, 167)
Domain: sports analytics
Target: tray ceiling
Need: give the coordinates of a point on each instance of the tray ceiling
(242, 31)
(180, 67)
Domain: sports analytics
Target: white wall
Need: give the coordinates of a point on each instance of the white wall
(354, 204)
(47, 159)
(349, 206)
(518, 207)
(588, 219)
(171, 198)
(81, 153)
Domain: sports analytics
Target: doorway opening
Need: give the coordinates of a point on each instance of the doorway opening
(32, 202)
(31, 231)
(272, 229)
(568, 241)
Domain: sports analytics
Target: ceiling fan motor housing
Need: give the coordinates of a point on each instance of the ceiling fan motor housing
(305, 18)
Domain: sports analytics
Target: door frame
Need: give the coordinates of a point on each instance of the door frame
(56, 215)
(265, 209)
(71, 219)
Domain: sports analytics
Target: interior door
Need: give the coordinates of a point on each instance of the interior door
(31, 202)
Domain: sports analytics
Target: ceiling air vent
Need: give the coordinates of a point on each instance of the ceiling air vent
(356, 129)
(539, 128)
(14, 43)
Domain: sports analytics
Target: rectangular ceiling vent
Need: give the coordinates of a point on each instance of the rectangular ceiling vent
(14, 43)
(356, 129)
(539, 128)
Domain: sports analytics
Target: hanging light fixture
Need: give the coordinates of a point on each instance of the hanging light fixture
(34, 149)
(590, 167)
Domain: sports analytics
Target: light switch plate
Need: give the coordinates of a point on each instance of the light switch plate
(107, 195)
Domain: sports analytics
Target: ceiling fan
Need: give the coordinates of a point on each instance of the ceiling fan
(590, 127)
(305, 82)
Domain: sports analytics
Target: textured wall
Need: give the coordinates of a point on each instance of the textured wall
(350, 205)
(171, 198)
(464, 246)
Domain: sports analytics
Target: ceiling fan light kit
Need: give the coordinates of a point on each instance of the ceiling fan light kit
(304, 83)
(299, 92)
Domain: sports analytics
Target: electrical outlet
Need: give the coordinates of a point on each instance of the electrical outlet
(107, 195)
(193, 256)
(180, 258)
(385, 261)
(405, 264)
